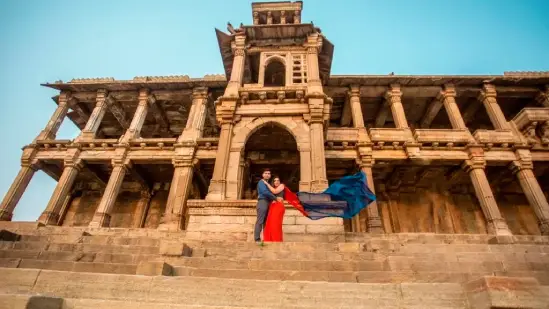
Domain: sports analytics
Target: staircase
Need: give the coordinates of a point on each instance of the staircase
(74, 268)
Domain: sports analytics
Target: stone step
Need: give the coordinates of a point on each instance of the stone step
(93, 267)
(231, 292)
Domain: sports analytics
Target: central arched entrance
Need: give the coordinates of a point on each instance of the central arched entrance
(273, 147)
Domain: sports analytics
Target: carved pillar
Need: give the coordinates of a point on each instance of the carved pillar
(96, 116)
(373, 222)
(102, 216)
(256, 18)
(394, 97)
(56, 119)
(139, 116)
(523, 168)
(51, 215)
(237, 72)
(174, 215)
(297, 17)
(304, 167)
(16, 190)
(314, 85)
(356, 110)
(197, 115)
(475, 166)
(141, 209)
(448, 98)
(488, 97)
(543, 97)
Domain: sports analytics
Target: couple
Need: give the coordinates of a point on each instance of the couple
(270, 208)
(344, 198)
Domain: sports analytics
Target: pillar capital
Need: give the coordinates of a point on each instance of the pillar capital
(144, 94)
(473, 163)
(78, 164)
(448, 91)
(517, 166)
(365, 161)
(35, 165)
(64, 97)
(487, 91)
(200, 93)
(101, 94)
(354, 91)
(393, 93)
(184, 162)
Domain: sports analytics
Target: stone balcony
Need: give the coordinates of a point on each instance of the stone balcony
(252, 94)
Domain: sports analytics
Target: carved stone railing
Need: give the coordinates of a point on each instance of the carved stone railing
(291, 94)
(153, 143)
(208, 143)
(60, 144)
(99, 143)
(442, 137)
(495, 138)
(342, 134)
(390, 137)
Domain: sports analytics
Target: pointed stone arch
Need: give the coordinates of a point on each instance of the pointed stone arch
(243, 130)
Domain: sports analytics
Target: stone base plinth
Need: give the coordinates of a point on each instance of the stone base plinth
(239, 216)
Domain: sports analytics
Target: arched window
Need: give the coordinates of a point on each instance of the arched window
(275, 74)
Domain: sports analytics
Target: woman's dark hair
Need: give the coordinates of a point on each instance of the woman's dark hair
(276, 177)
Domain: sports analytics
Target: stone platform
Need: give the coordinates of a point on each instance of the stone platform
(74, 268)
(238, 217)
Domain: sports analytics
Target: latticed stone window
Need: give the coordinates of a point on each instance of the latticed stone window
(299, 69)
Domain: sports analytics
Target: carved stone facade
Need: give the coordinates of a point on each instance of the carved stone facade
(444, 154)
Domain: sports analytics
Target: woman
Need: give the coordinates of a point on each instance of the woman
(273, 225)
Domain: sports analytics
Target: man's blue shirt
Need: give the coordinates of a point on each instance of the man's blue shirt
(263, 193)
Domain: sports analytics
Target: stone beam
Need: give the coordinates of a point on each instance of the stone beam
(382, 114)
(159, 114)
(431, 113)
(346, 115)
(471, 111)
(118, 112)
(97, 175)
(137, 174)
(202, 182)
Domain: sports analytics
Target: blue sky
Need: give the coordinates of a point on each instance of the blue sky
(53, 40)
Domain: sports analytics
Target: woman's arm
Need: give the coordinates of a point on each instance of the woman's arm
(274, 190)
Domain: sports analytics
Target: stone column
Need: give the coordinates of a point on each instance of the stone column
(56, 119)
(51, 215)
(304, 167)
(237, 73)
(314, 85)
(394, 97)
(475, 168)
(197, 115)
(102, 216)
(96, 116)
(448, 98)
(373, 223)
(141, 209)
(139, 116)
(523, 168)
(216, 190)
(174, 215)
(16, 190)
(488, 97)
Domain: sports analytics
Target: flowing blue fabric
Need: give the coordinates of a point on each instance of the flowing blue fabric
(348, 195)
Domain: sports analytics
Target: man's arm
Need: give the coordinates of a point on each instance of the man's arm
(262, 190)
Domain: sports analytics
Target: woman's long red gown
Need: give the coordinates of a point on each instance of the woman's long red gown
(273, 225)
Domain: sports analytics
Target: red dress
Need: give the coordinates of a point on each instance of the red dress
(273, 226)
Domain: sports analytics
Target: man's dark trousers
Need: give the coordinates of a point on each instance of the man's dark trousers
(262, 211)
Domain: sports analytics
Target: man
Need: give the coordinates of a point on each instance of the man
(264, 199)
